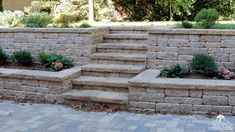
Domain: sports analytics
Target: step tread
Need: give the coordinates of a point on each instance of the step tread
(97, 96)
(126, 36)
(130, 46)
(102, 81)
(119, 56)
(115, 68)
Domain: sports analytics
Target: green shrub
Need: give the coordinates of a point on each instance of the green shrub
(48, 61)
(206, 18)
(3, 57)
(187, 24)
(64, 19)
(204, 64)
(174, 71)
(37, 20)
(22, 58)
(85, 25)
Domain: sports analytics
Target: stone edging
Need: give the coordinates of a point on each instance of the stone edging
(192, 31)
(53, 30)
(39, 75)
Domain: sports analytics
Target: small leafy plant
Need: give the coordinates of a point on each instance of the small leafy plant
(186, 24)
(206, 18)
(204, 64)
(85, 25)
(55, 62)
(174, 71)
(23, 58)
(36, 20)
(3, 57)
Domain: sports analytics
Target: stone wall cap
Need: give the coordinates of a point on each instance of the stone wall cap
(39, 75)
(149, 78)
(53, 30)
(192, 31)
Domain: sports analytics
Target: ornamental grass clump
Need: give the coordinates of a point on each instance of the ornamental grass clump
(204, 64)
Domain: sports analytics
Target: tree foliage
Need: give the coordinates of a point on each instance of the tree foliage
(1, 7)
(152, 10)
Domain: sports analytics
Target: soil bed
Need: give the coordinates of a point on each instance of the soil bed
(34, 66)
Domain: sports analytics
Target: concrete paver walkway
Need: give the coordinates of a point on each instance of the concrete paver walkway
(55, 118)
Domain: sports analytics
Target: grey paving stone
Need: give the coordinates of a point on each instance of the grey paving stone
(47, 117)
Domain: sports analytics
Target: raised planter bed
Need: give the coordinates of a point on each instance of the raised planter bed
(147, 92)
(36, 85)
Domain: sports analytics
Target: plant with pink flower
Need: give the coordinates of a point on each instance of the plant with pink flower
(225, 73)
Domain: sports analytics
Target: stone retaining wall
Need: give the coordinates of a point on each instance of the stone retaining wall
(184, 96)
(74, 43)
(36, 85)
(177, 46)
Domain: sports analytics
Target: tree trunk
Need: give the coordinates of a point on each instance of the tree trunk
(171, 13)
(91, 11)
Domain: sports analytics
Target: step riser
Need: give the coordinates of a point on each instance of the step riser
(103, 50)
(127, 32)
(108, 74)
(102, 88)
(101, 61)
(111, 40)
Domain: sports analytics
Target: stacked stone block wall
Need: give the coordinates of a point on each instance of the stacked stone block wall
(183, 96)
(77, 44)
(36, 85)
(178, 46)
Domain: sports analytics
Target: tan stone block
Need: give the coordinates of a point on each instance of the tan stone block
(186, 108)
(12, 86)
(50, 35)
(194, 38)
(155, 90)
(222, 109)
(231, 100)
(176, 93)
(178, 42)
(183, 100)
(202, 108)
(210, 38)
(142, 105)
(30, 82)
(167, 56)
(215, 100)
(195, 93)
(43, 84)
(167, 108)
(146, 97)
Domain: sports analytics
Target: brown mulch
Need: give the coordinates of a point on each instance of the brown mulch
(34, 66)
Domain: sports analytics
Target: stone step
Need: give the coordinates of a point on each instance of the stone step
(130, 38)
(111, 70)
(102, 81)
(119, 57)
(97, 96)
(126, 36)
(116, 84)
(131, 48)
(122, 46)
(129, 29)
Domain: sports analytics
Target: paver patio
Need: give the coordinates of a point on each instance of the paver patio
(47, 117)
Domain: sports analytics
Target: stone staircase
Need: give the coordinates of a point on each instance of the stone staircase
(121, 57)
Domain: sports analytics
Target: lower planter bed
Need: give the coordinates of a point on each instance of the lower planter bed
(147, 92)
(36, 85)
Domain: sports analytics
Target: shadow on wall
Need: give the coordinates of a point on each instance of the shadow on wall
(15, 4)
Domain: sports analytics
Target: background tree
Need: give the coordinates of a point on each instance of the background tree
(1, 7)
